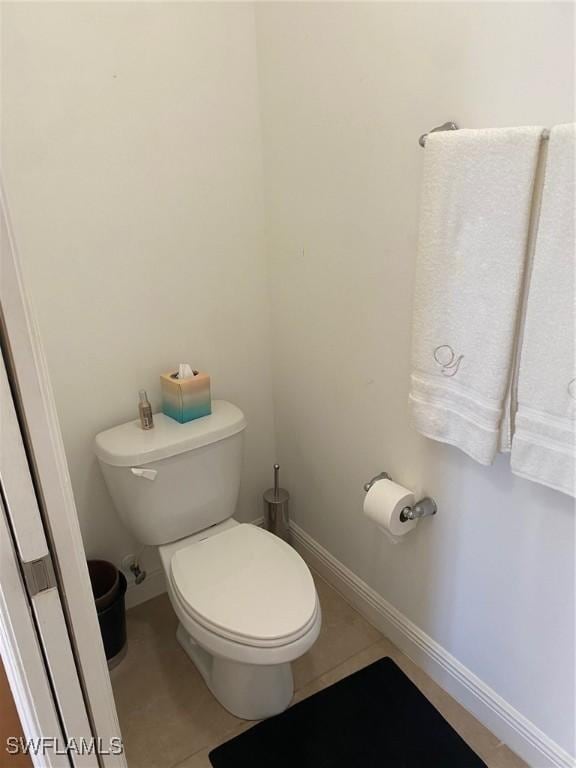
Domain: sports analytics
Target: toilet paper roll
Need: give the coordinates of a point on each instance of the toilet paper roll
(383, 504)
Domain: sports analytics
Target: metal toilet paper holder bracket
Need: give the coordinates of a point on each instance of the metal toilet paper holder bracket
(423, 508)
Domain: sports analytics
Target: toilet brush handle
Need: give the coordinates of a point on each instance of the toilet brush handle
(276, 479)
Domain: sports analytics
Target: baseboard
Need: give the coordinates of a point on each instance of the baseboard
(509, 725)
(153, 585)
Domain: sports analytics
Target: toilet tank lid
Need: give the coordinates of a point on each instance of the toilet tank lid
(129, 445)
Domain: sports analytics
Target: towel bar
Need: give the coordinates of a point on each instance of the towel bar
(450, 125)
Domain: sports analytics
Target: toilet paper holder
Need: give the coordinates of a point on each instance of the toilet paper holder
(423, 508)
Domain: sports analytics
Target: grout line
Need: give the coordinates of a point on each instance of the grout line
(228, 735)
(339, 664)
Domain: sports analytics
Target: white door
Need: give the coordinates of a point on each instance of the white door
(23, 529)
(43, 560)
(22, 657)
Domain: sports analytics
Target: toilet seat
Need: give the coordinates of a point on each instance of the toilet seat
(247, 586)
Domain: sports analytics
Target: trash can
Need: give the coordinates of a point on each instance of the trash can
(109, 588)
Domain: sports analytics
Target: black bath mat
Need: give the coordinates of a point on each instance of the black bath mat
(376, 718)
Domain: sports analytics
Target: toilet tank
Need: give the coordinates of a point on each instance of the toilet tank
(175, 479)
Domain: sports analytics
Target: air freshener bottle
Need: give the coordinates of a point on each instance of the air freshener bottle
(145, 410)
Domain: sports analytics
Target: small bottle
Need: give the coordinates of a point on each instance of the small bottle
(145, 410)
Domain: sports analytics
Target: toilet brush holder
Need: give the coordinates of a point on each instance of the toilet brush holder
(276, 518)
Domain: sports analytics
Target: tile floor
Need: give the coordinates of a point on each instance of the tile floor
(169, 719)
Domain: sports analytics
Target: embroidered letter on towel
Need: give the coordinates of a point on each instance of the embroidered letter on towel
(543, 444)
(475, 211)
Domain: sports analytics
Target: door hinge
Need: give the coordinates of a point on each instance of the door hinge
(39, 575)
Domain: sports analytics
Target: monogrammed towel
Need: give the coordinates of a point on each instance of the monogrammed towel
(475, 212)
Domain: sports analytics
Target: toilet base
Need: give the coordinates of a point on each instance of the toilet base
(248, 691)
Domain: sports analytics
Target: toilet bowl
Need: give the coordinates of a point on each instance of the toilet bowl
(247, 607)
(245, 600)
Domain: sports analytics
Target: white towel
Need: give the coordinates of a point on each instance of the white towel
(475, 210)
(543, 446)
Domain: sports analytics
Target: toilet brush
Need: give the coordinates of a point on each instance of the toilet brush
(276, 519)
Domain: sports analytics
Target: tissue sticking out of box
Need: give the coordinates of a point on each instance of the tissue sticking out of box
(185, 371)
(187, 397)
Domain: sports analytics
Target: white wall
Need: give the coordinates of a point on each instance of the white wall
(131, 149)
(132, 161)
(346, 91)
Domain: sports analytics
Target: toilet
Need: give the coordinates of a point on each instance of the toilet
(245, 600)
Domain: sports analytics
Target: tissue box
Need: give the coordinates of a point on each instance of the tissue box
(186, 399)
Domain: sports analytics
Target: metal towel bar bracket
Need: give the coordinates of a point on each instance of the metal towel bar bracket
(450, 125)
(423, 508)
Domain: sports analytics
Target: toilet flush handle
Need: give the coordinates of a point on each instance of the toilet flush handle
(147, 474)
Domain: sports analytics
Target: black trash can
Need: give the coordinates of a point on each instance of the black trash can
(109, 588)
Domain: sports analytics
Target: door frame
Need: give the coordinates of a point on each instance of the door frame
(22, 657)
(32, 389)
(23, 529)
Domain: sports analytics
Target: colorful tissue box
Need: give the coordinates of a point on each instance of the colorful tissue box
(186, 399)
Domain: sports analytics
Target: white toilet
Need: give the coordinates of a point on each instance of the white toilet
(245, 599)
